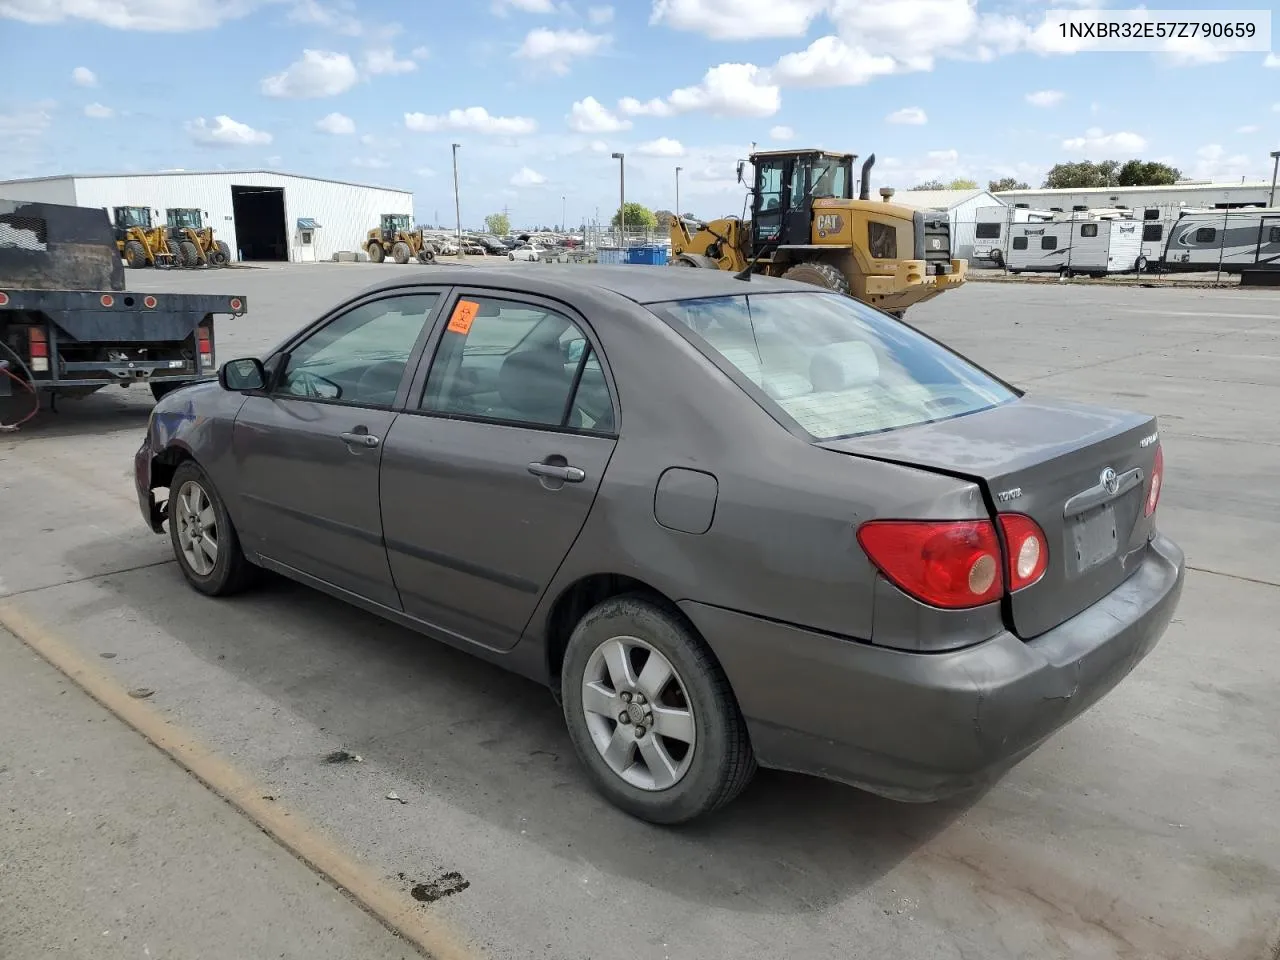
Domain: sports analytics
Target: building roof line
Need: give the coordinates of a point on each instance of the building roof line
(200, 173)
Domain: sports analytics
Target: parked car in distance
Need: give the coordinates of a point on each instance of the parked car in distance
(729, 523)
(527, 251)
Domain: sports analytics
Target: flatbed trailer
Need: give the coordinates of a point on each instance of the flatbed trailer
(68, 327)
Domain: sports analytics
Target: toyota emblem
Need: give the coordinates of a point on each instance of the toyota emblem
(1110, 481)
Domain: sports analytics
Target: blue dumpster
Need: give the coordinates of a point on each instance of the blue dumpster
(651, 255)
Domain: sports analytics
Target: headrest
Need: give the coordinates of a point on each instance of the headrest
(489, 308)
(843, 366)
(534, 383)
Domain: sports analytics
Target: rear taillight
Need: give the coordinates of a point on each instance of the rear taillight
(38, 350)
(1157, 480)
(205, 340)
(1028, 550)
(951, 564)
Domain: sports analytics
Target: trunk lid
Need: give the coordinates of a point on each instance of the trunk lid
(1051, 460)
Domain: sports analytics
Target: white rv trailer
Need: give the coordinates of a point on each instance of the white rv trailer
(1076, 244)
(991, 230)
(1237, 239)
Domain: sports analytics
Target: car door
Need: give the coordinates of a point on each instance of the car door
(488, 476)
(309, 449)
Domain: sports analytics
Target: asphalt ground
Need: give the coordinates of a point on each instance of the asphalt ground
(1148, 828)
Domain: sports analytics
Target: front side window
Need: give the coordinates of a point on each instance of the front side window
(1206, 235)
(1274, 235)
(520, 363)
(360, 357)
(1152, 231)
(1019, 243)
(798, 195)
(1048, 242)
(837, 367)
(1088, 229)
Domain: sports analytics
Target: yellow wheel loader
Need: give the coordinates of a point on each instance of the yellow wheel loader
(139, 243)
(396, 238)
(196, 244)
(807, 224)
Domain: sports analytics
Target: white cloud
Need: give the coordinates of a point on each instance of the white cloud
(336, 123)
(98, 112)
(476, 119)
(1272, 61)
(226, 132)
(944, 156)
(371, 162)
(27, 122)
(84, 77)
(526, 177)
(526, 6)
(424, 172)
(781, 134)
(1248, 128)
(315, 13)
(739, 19)
(557, 48)
(911, 116)
(1094, 141)
(600, 15)
(1045, 98)
(157, 16)
(420, 53)
(650, 108)
(383, 61)
(320, 73)
(599, 146)
(830, 62)
(730, 90)
(589, 115)
(662, 147)
(1214, 163)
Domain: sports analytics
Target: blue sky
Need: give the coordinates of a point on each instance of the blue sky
(541, 92)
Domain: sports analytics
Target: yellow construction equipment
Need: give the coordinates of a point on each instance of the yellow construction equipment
(396, 238)
(196, 244)
(806, 224)
(140, 244)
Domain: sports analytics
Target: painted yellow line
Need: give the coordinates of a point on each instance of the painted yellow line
(392, 906)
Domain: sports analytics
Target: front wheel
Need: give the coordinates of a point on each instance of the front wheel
(135, 255)
(400, 252)
(376, 253)
(651, 714)
(190, 254)
(819, 274)
(204, 541)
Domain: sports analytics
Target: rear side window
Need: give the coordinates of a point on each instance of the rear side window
(1048, 242)
(1206, 235)
(1274, 235)
(837, 367)
(1152, 231)
(1088, 229)
(987, 231)
(1019, 243)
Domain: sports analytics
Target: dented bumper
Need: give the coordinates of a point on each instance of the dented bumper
(920, 727)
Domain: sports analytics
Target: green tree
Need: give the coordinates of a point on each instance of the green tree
(1006, 183)
(962, 183)
(1137, 173)
(663, 218)
(930, 185)
(499, 224)
(638, 215)
(1084, 173)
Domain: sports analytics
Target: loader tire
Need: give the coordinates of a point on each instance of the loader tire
(819, 274)
(190, 254)
(225, 249)
(376, 253)
(401, 252)
(135, 255)
(175, 253)
(427, 254)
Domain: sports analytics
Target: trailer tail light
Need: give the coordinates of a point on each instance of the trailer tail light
(149, 302)
(236, 304)
(107, 300)
(4, 299)
(1028, 550)
(38, 350)
(1157, 481)
(205, 342)
(950, 564)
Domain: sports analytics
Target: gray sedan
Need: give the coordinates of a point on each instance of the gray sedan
(728, 522)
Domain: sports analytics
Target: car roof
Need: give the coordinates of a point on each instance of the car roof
(642, 284)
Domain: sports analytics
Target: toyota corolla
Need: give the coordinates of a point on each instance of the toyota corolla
(729, 523)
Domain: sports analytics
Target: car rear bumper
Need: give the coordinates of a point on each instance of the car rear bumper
(917, 726)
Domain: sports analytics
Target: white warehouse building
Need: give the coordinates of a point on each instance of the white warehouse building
(260, 214)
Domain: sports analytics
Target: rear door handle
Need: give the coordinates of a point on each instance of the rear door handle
(360, 439)
(555, 471)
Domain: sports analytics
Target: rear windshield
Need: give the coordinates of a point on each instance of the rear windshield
(835, 366)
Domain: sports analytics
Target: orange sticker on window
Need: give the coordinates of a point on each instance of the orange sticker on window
(463, 314)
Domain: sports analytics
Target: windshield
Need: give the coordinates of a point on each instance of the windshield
(837, 367)
(830, 179)
(184, 218)
(135, 216)
(397, 223)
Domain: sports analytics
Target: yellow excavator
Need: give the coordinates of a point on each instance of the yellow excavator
(806, 224)
(395, 237)
(196, 245)
(139, 243)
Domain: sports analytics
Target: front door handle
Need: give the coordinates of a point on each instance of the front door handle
(555, 471)
(360, 439)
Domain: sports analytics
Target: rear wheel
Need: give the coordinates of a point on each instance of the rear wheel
(204, 541)
(819, 274)
(651, 714)
(376, 253)
(190, 254)
(225, 249)
(401, 252)
(175, 253)
(135, 255)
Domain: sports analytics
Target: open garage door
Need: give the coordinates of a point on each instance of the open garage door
(260, 226)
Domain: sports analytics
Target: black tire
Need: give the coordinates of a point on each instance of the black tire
(175, 253)
(135, 255)
(997, 258)
(401, 252)
(224, 248)
(722, 762)
(190, 254)
(511, 256)
(427, 254)
(819, 274)
(376, 253)
(231, 571)
(217, 258)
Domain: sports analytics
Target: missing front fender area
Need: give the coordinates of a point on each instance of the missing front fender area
(157, 511)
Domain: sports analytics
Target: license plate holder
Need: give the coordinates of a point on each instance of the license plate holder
(1093, 538)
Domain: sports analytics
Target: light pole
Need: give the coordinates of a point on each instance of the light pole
(1275, 166)
(457, 204)
(678, 169)
(563, 214)
(622, 199)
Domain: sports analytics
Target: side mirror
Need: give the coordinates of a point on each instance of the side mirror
(741, 165)
(242, 375)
